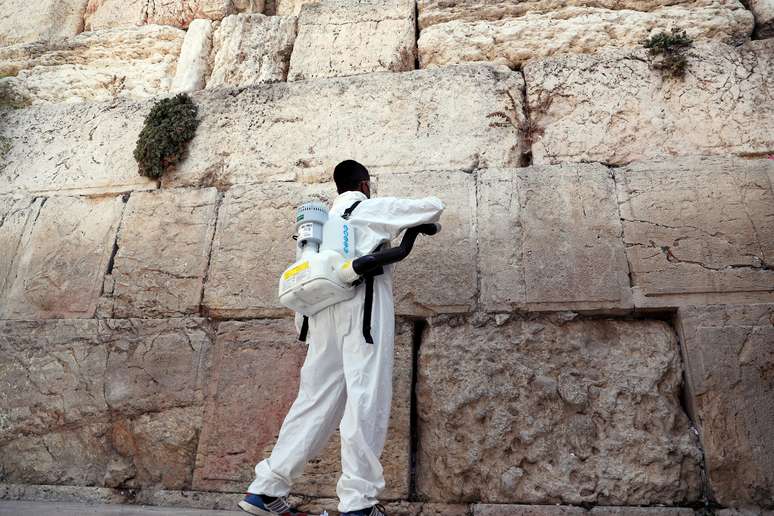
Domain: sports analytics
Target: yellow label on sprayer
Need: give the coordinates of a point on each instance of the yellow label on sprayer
(346, 265)
(295, 270)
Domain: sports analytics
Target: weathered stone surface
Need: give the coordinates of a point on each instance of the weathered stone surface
(550, 238)
(163, 250)
(553, 411)
(252, 246)
(17, 215)
(482, 509)
(764, 17)
(41, 20)
(245, 411)
(422, 283)
(154, 364)
(698, 226)
(291, 7)
(71, 149)
(193, 66)
(432, 12)
(252, 49)
(729, 353)
(576, 29)
(349, 37)
(105, 14)
(133, 62)
(612, 107)
(59, 273)
(641, 511)
(436, 120)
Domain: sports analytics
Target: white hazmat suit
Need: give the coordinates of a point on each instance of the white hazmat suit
(345, 381)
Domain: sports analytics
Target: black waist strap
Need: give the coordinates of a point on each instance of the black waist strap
(368, 305)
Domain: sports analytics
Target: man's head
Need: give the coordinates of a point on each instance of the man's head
(350, 175)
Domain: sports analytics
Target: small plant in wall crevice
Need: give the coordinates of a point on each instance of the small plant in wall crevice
(168, 128)
(668, 50)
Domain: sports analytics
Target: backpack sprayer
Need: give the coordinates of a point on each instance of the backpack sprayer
(326, 270)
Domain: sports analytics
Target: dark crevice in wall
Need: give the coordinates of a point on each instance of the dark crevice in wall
(202, 309)
(527, 127)
(418, 331)
(416, 36)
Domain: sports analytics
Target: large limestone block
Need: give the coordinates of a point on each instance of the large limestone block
(163, 251)
(17, 215)
(729, 354)
(422, 283)
(550, 239)
(337, 38)
(291, 7)
(423, 120)
(106, 14)
(698, 227)
(614, 108)
(252, 49)
(193, 66)
(562, 510)
(23, 21)
(245, 411)
(253, 245)
(550, 410)
(59, 273)
(764, 17)
(576, 29)
(432, 12)
(72, 149)
(132, 62)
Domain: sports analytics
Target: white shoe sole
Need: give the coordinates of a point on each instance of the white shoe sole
(252, 509)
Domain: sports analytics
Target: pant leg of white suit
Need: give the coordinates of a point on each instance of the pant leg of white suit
(344, 379)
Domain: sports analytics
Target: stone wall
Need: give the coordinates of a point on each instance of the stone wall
(592, 331)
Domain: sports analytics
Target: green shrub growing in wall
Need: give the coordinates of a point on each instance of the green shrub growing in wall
(168, 128)
(669, 50)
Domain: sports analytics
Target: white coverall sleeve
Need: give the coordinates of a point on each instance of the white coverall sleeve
(391, 215)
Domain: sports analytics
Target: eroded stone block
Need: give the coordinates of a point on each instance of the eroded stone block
(163, 252)
(245, 411)
(72, 149)
(252, 49)
(764, 17)
(337, 38)
(131, 62)
(41, 20)
(547, 410)
(576, 29)
(698, 226)
(59, 273)
(614, 108)
(550, 239)
(106, 14)
(17, 216)
(729, 354)
(193, 66)
(436, 120)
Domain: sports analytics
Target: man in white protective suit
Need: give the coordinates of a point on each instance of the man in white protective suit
(346, 378)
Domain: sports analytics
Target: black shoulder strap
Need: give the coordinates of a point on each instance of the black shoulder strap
(304, 329)
(349, 210)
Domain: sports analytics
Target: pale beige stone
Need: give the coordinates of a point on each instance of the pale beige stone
(577, 29)
(546, 410)
(698, 226)
(764, 17)
(729, 354)
(59, 272)
(244, 412)
(614, 108)
(482, 509)
(106, 14)
(163, 251)
(252, 49)
(349, 37)
(253, 245)
(131, 62)
(23, 21)
(72, 149)
(550, 239)
(439, 276)
(17, 215)
(291, 7)
(415, 121)
(193, 66)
